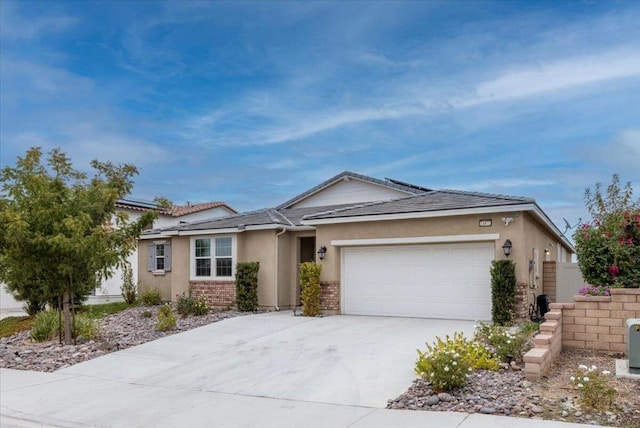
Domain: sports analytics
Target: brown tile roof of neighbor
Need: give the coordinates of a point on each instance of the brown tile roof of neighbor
(174, 210)
(180, 210)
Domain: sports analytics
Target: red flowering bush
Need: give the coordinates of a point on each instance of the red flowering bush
(608, 248)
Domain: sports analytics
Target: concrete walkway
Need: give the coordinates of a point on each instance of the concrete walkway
(268, 370)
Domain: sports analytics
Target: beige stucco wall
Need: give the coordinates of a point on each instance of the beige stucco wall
(171, 283)
(259, 246)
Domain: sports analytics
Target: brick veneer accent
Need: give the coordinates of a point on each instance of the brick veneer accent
(330, 296)
(592, 322)
(216, 293)
(549, 280)
(522, 301)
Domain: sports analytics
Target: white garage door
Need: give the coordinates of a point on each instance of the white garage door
(429, 281)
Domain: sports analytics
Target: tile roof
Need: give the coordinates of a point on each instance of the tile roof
(180, 210)
(174, 210)
(435, 200)
(263, 217)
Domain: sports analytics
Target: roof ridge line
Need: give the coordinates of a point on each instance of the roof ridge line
(486, 194)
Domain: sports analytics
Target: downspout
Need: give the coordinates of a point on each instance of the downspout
(275, 275)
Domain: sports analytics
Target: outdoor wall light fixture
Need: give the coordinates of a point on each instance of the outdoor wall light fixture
(547, 252)
(506, 247)
(321, 252)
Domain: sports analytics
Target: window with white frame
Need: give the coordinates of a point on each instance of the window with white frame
(212, 257)
(159, 257)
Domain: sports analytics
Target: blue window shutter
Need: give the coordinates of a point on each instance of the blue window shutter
(151, 258)
(167, 257)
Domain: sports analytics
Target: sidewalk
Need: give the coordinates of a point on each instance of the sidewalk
(30, 399)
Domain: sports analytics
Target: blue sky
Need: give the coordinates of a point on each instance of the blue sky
(252, 103)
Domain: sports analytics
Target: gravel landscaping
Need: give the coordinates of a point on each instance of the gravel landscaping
(507, 392)
(118, 331)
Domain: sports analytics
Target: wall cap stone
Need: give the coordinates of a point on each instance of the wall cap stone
(632, 291)
(579, 298)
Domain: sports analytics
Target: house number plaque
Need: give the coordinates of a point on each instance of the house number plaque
(485, 223)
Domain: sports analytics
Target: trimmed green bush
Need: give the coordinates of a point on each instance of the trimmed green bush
(247, 286)
(151, 297)
(166, 319)
(310, 288)
(503, 292)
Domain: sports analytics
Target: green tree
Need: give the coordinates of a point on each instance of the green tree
(503, 292)
(58, 238)
(608, 247)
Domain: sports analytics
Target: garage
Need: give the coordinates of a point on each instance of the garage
(449, 281)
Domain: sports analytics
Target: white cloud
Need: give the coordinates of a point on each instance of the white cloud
(556, 76)
(15, 26)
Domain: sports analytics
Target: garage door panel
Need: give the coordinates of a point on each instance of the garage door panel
(439, 281)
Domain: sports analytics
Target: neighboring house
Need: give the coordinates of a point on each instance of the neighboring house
(392, 248)
(109, 290)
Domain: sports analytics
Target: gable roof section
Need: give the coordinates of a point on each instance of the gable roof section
(408, 189)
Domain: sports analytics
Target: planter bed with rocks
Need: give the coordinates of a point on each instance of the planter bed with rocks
(507, 392)
(122, 330)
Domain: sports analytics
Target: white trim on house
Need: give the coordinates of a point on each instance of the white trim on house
(192, 258)
(416, 240)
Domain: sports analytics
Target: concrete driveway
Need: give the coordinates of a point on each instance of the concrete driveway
(268, 370)
(351, 360)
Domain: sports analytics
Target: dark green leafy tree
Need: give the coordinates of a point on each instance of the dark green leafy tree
(608, 247)
(60, 231)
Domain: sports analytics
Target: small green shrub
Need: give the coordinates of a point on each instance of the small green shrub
(147, 314)
(503, 340)
(45, 326)
(151, 297)
(86, 327)
(129, 289)
(595, 391)
(189, 305)
(529, 327)
(442, 365)
(503, 292)
(247, 286)
(310, 288)
(166, 319)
